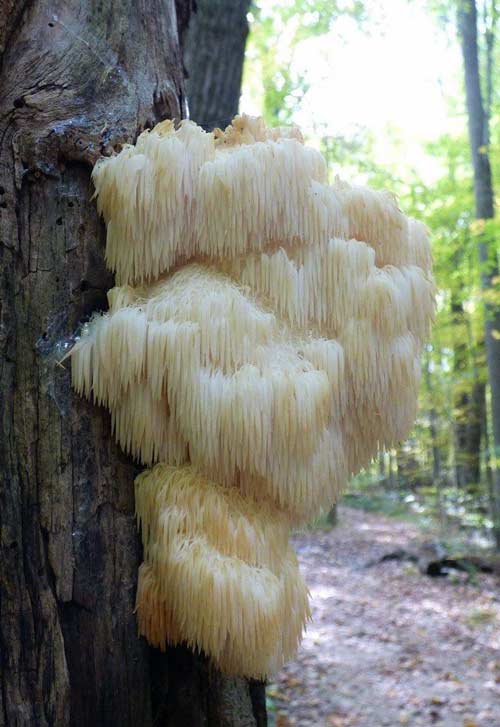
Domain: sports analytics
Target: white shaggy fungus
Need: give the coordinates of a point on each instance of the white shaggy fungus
(265, 336)
(219, 572)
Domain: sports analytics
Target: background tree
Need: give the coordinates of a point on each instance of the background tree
(77, 80)
(479, 136)
(214, 55)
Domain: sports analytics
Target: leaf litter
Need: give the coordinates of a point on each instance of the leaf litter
(387, 645)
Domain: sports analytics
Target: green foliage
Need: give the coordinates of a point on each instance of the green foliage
(316, 16)
(453, 363)
(378, 501)
(480, 617)
(424, 475)
(276, 30)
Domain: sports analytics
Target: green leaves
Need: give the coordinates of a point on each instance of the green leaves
(276, 30)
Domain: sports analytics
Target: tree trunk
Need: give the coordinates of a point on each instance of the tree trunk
(483, 191)
(214, 55)
(408, 467)
(77, 78)
(468, 403)
(381, 467)
(392, 478)
(332, 516)
(435, 443)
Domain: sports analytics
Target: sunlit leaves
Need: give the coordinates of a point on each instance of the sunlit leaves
(277, 28)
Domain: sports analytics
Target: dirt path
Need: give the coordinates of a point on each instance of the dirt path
(387, 645)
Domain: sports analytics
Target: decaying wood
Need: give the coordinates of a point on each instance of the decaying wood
(77, 79)
(434, 560)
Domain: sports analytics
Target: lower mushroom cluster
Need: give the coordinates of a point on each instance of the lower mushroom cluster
(263, 344)
(218, 572)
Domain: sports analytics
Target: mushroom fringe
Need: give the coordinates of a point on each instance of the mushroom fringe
(218, 574)
(265, 335)
(181, 193)
(261, 399)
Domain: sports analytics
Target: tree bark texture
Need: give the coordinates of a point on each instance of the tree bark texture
(214, 56)
(77, 79)
(484, 203)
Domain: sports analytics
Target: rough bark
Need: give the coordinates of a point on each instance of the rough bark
(484, 204)
(214, 55)
(77, 79)
(200, 695)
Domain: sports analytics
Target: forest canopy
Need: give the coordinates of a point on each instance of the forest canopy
(396, 123)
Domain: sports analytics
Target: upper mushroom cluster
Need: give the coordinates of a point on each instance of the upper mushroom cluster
(266, 337)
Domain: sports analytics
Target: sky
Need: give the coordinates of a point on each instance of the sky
(399, 76)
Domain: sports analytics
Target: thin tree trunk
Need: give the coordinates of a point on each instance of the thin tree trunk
(408, 469)
(392, 479)
(332, 515)
(435, 445)
(214, 55)
(483, 190)
(77, 79)
(381, 468)
(468, 403)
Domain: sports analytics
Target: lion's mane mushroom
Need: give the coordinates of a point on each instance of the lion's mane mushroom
(262, 345)
(219, 572)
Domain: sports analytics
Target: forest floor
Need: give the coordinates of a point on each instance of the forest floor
(389, 646)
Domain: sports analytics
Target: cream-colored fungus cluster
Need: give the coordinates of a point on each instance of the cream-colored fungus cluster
(263, 344)
(219, 572)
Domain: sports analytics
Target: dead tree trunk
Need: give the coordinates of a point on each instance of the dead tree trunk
(77, 79)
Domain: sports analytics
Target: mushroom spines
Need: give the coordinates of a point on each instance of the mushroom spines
(262, 343)
(219, 573)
